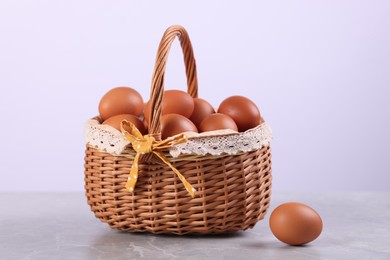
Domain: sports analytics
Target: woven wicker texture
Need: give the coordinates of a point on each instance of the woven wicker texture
(233, 191)
(157, 89)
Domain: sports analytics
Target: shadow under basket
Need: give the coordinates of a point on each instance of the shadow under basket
(233, 192)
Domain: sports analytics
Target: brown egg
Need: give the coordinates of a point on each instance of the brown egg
(295, 223)
(202, 109)
(174, 102)
(217, 121)
(115, 121)
(173, 124)
(145, 124)
(243, 111)
(121, 100)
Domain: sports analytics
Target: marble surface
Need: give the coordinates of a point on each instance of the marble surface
(61, 226)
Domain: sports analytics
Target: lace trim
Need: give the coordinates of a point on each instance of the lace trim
(108, 139)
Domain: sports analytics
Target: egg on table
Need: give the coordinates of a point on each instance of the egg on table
(295, 223)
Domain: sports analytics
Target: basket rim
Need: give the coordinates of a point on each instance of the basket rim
(110, 140)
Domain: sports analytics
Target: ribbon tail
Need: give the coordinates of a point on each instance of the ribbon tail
(133, 176)
(135, 133)
(187, 185)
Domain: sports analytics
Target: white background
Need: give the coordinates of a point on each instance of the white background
(318, 70)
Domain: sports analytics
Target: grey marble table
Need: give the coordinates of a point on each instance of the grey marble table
(61, 226)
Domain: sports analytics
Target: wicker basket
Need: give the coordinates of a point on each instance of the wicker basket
(233, 191)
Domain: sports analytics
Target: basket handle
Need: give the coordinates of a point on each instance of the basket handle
(157, 88)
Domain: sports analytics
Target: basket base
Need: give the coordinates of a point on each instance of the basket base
(233, 193)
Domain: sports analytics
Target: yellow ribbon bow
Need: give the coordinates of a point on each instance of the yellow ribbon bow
(144, 144)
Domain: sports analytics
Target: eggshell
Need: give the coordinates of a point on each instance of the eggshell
(173, 124)
(217, 121)
(121, 100)
(242, 110)
(295, 223)
(202, 109)
(115, 122)
(174, 102)
(145, 124)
